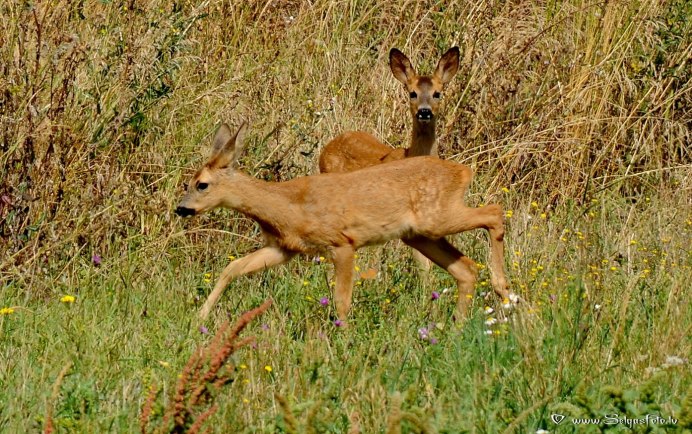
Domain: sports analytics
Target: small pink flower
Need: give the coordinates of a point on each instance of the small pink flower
(96, 259)
(435, 295)
(203, 330)
(324, 301)
(338, 323)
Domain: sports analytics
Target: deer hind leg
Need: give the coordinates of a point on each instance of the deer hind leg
(423, 262)
(491, 218)
(461, 267)
(343, 269)
(496, 230)
(259, 260)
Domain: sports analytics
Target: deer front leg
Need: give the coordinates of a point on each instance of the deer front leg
(343, 269)
(259, 260)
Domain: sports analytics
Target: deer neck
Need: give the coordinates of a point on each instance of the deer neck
(260, 200)
(422, 139)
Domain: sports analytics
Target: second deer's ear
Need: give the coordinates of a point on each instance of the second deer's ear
(448, 65)
(400, 65)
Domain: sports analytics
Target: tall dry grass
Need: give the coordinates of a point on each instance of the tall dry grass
(103, 104)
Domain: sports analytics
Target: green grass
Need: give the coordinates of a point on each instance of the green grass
(573, 115)
(584, 328)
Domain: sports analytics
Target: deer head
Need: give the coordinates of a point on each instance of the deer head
(424, 91)
(207, 190)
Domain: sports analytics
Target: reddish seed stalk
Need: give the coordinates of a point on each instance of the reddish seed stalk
(192, 390)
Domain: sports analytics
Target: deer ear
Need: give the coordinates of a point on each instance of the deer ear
(228, 147)
(400, 65)
(221, 138)
(239, 142)
(448, 65)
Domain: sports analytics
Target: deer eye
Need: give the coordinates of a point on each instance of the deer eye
(201, 186)
(436, 95)
(413, 95)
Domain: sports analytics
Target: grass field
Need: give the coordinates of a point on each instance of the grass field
(575, 116)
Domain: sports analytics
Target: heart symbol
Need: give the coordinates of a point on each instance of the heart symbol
(557, 418)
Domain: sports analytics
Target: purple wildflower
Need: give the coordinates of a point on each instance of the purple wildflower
(324, 301)
(435, 295)
(433, 341)
(338, 323)
(203, 330)
(96, 259)
(423, 333)
(264, 327)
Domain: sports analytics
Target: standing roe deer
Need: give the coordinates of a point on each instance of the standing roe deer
(418, 200)
(356, 149)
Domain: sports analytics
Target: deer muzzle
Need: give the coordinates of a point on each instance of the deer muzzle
(184, 212)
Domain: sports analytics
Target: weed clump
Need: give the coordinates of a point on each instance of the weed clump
(205, 373)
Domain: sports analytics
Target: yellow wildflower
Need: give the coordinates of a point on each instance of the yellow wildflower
(268, 368)
(6, 311)
(67, 299)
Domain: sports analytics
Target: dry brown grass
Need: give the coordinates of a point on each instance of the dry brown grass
(102, 105)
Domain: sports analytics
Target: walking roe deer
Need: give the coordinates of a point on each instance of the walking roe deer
(418, 200)
(356, 149)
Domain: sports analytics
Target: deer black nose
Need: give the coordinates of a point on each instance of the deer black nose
(424, 114)
(184, 212)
